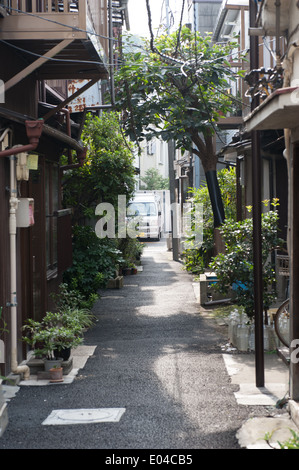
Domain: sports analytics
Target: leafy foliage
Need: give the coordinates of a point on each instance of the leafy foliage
(3, 328)
(131, 249)
(107, 172)
(95, 261)
(234, 268)
(197, 259)
(67, 298)
(291, 443)
(176, 89)
(176, 93)
(153, 180)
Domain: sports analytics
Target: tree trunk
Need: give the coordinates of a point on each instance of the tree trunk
(215, 197)
(208, 157)
(218, 209)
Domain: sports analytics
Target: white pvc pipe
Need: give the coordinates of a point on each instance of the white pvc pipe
(13, 205)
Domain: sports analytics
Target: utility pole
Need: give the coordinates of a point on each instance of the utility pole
(172, 189)
(256, 216)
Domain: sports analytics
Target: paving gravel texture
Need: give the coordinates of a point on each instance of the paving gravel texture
(156, 356)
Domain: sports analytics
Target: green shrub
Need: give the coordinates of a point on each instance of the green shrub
(234, 268)
(197, 259)
(108, 170)
(95, 261)
(131, 249)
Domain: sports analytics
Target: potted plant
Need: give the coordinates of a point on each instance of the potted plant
(133, 268)
(234, 267)
(43, 341)
(66, 339)
(46, 340)
(56, 374)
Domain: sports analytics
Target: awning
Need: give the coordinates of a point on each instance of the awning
(279, 111)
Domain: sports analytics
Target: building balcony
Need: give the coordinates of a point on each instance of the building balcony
(278, 111)
(69, 37)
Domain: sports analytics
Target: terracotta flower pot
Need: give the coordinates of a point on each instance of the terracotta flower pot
(56, 374)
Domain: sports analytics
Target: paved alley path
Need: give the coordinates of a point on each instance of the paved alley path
(156, 357)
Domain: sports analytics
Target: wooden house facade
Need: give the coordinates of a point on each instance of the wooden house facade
(43, 44)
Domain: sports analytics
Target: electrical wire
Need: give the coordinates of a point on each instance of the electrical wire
(95, 34)
(113, 38)
(268, 48)
(171, 67)
(180, 64)
(14, 46)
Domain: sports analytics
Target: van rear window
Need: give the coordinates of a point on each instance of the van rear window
(141, 208)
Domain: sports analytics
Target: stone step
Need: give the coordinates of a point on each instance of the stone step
(37, 367)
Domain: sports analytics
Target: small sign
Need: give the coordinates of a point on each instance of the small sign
(32, 162)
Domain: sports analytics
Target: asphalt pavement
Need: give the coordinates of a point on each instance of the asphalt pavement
(153, 374)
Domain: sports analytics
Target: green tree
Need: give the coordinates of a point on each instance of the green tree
(153, 180)
(176, 88)
(108, 170)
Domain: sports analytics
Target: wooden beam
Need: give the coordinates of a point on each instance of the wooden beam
(36, 64)
(71, 98)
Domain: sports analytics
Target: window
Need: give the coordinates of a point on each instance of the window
(151, 147)
(142, 208)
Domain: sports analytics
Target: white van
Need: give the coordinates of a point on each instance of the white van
(145, 209)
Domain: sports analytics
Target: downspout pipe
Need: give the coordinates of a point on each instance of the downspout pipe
(256, 217)
(13, 206)
(34, 130)
(81, 156)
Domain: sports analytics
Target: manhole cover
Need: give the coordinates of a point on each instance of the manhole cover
(84, 416)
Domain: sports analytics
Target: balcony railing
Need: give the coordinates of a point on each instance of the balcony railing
(39, 25)
(40, 6)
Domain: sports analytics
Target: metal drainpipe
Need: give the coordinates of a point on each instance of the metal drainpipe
(34, 129)
(81, 155)
(13, 206)
(256, 216)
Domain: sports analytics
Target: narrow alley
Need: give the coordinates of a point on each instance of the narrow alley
(156, 361)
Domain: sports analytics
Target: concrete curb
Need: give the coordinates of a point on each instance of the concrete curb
(293, 407)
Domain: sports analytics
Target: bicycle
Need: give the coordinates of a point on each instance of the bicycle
(282, 316)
